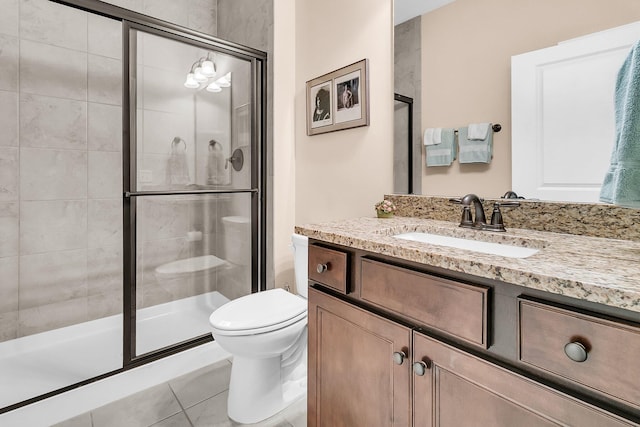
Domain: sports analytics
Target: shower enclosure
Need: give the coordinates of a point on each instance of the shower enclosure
(132, 198)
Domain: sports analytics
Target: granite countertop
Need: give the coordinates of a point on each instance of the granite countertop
(600, 270)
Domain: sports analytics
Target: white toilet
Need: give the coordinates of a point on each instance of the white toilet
(266, 332)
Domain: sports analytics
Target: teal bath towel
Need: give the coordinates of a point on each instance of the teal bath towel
(442, 154)
(621, 184)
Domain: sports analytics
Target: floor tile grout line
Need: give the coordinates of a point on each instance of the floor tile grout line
(179, 404)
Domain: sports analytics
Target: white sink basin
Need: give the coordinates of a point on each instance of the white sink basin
(500, 249)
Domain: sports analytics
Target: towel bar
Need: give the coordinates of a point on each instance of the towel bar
(496, 128)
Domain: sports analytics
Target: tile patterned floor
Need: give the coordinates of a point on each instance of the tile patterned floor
(198, 399)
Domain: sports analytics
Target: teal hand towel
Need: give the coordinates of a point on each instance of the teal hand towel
(621, 184)
(475, 150)
(442, 154)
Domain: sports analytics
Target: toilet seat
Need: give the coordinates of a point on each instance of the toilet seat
(259, 313)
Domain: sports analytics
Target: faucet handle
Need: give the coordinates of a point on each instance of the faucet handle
(456, 201)
(466, 219)
(507, 204)
(497, 223)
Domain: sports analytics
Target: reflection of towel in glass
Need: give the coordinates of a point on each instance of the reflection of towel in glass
(216, 173)
(475, 151)
(621, 184)
(444, 153)
(177, 166)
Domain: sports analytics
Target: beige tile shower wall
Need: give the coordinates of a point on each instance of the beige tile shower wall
(65, 175)
(251, 23)
(60, 160)
(407, 76)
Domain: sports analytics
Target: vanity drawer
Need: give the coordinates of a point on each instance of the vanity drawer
(455, 308)
(328, 267)
(549, 335)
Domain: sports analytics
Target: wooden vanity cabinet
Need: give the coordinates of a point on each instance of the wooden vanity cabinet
(357, 373)
(374, 361)
(361, 374)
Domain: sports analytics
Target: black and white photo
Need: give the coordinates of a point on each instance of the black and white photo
(338, 100)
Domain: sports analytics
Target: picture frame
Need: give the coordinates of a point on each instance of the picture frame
(339, 100)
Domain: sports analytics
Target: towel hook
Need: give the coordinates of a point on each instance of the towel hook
(177, 140)
(213, 143)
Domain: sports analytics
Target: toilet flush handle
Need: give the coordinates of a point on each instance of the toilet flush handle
(321, 268)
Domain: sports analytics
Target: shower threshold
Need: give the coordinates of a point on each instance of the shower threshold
(44, 362)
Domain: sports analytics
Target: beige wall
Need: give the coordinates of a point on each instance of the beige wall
(466, 56)
(342, 174)
(284, 184)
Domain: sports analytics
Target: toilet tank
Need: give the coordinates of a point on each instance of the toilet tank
(300, 247)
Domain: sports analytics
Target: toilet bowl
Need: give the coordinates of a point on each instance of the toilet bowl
(266, 332)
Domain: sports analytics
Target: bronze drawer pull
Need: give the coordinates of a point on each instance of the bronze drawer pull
(321, 268)
(576, 351)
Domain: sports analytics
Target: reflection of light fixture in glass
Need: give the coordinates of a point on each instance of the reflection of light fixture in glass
(191, 82)
(224, 81)
(213, 87)
(208, 67)
(201, 71)
(197, 74)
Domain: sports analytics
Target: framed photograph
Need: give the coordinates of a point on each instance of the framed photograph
(338, 100)
(321, 105)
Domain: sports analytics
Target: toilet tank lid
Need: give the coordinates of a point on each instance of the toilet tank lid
(258, 310)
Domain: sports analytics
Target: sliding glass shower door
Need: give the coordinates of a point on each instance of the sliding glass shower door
(193, 186)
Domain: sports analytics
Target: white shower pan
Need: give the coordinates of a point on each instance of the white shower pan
(41, 363)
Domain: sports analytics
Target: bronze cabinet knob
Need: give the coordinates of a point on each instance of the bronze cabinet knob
(420, 368)
(398, 357)
(576, 351)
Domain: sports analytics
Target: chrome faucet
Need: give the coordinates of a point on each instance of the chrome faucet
(479, 220)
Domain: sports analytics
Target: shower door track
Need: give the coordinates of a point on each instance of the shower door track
(128, 194)
(136, 21)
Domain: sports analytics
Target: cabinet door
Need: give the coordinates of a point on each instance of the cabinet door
(460, 390)
(353, 377)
